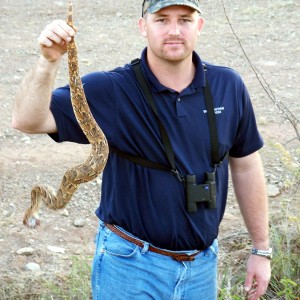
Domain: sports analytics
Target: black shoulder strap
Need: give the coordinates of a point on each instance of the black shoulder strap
(140, 161)
(164, 136)
(146, 90)
(212, 124)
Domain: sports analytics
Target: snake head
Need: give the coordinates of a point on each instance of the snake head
(31, 222)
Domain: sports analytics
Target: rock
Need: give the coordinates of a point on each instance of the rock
(25, 251)
(65, 213)
(16, 78)
(26, 140)
(5, 213)
(79, 222)
(273, 190)
(56, 249)
(33, 267)
(31, 241)
(59, 3)
(230, 217)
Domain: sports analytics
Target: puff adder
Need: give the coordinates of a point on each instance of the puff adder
(97, 159)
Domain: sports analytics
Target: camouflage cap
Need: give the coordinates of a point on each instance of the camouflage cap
(153, 6)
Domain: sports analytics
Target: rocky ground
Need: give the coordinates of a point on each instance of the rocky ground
(268, 31)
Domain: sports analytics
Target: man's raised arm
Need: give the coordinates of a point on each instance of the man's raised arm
(31, 111)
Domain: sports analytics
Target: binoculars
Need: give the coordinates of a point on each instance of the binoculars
(196, 193)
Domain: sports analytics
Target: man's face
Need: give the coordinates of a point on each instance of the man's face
(171, 32)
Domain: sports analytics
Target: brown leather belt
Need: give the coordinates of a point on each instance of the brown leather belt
(175, 256)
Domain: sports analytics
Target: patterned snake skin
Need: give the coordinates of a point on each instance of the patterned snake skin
(97, 159)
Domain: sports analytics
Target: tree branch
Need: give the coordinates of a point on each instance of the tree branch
(289, 115)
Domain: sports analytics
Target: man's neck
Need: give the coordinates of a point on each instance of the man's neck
(174, 75)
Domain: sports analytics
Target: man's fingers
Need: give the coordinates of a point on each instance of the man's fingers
(257, 290)
(248, 283)
(63, 28)
(56, 32)
(261, 287)
(44, 41)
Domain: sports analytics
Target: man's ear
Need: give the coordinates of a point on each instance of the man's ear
(143, 27)
(200, 25)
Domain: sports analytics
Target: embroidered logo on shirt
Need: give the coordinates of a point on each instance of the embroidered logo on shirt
(218, 110)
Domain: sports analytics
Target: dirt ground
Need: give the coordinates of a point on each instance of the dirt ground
(108, 36)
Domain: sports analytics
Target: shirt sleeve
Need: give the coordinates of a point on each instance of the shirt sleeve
(248, 138)
(100, 96)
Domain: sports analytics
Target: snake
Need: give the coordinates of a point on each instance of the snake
(96, 161)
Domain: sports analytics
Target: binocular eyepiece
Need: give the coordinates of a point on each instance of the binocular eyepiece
(196, 193)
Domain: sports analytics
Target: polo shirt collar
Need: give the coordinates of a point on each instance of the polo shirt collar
(198, 81)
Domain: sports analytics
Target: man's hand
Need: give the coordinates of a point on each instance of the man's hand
(258, 276)
(54, 38)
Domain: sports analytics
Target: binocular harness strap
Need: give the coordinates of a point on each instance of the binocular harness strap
(144, 85)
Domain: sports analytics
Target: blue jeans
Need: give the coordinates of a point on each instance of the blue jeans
(123, 271)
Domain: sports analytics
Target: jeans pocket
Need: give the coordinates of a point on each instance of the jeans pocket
(213, 249)
(117, 246)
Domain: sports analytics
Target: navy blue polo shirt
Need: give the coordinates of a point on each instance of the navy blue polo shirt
(150, 203)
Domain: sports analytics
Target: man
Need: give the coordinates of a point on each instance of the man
(157, 238)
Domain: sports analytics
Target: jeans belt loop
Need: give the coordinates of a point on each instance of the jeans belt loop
(145, 248)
